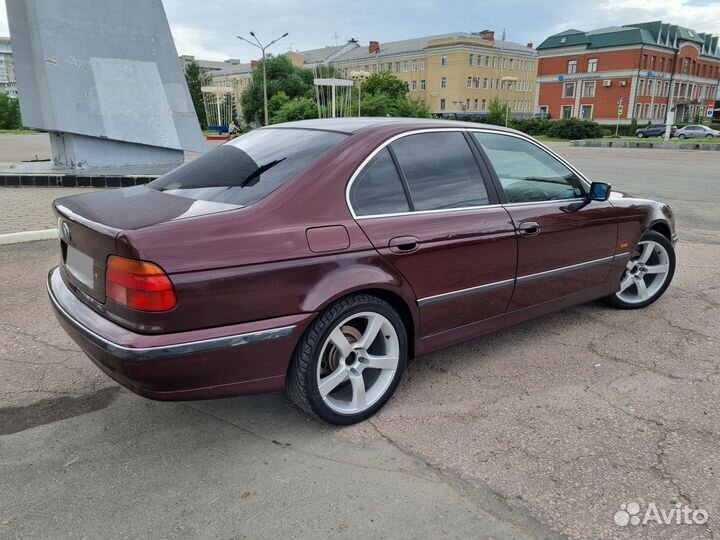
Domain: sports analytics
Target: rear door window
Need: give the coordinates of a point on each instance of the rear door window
(250, 167)
(441, 171)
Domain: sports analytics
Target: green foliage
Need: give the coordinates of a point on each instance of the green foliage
(385, 83)
(282, 76)
(410, 108)
(302, 108)
(574, 128)
(531, 126)
(277, 102)
(498, 112)
(378, 105)
(9, 112)
(194, 78)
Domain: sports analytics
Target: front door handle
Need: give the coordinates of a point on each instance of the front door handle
(404, 244)
(529, 228)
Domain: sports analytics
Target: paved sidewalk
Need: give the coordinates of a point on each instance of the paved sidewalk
(28, 209)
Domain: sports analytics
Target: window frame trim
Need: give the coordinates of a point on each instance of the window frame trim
(492, 184)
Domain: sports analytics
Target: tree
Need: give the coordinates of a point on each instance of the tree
(498, 112)
(282, 76)
(277, 102)
(296, 109)
(9, 112)
(410, 108)
(385, 83)
(194, 77)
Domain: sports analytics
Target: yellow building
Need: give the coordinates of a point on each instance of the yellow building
(459, 73)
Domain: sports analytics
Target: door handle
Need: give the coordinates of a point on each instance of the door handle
(529, 228)
(404, 244)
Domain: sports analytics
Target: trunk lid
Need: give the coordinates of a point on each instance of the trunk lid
(88, 226)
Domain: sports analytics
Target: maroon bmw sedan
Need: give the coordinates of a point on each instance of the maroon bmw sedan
(318, 256)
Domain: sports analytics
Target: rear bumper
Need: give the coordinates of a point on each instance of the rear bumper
(240, 359)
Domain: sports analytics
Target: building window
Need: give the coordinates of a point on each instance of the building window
(485, 83)
(662, 63)
(492, 84)
(422, 84)
(471, 59)
(569, 90)
(566, 111)
(487, 61)
(589, 89)
(484, 104)
(592, 65)
(586, 112)
(641, 87)
(476, 103)
(572, 66)
(397, 67)
(442, 104)
(422, 65)
(510, 64)
(405, 67)
(469, 82)
(494, 61)
(414, 86)
(646, 110)
(652, 63)
(504, 62)
(467, 104)
(686, 66)
(414, 65)
(444, 60)
(443, 82)
(477, 82)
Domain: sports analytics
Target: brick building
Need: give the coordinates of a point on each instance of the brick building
(650, 68)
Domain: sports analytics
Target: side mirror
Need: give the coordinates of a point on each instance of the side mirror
(599, 191)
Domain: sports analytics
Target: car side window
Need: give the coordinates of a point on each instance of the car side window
(528, 173)
(440, 170)
(378, 189)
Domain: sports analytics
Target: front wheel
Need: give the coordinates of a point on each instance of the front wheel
(350, 360)
(708, 136)
(682, 136)
(640, 135)
(648, 273)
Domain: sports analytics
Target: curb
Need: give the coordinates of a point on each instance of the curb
(656, 145)
(28, 236)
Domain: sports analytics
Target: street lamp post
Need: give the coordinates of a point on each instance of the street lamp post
(510, 81)
(263, 48)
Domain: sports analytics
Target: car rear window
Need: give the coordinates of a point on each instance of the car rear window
(249, 168)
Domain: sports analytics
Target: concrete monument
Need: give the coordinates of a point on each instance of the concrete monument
(103, 77)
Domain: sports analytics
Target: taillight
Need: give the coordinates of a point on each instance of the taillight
(138, 285)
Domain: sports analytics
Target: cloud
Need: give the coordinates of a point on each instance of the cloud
(699, 17)
(190, 40)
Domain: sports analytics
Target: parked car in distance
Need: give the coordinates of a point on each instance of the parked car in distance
(696, 131)
(540, 115)
(319, 256)
(655, 130)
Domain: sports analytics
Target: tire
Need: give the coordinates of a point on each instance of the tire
(339, 351)
(640, 135)
(708, 136)
(682, 136)
(633, 295)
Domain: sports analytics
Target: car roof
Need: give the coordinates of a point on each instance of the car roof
(353, 125)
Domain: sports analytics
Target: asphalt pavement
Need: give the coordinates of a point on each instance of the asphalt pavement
(549, 429)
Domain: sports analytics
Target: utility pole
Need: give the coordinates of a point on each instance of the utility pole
(263, 48)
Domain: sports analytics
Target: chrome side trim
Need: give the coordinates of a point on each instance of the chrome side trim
(428, 300)
(563, 270)
(178, 349)
(421, 212)
(623, 255)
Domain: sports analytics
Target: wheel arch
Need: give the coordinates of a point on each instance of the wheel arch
(662, 228)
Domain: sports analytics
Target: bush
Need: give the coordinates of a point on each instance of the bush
(531, 126)
(295, 109)
(9, 112)
(574, 128)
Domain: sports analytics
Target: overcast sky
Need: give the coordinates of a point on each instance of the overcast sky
(207, 29)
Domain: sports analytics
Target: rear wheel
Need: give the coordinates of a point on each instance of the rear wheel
(350, 360)
(682, 136)
(648, 273)
(708, 136)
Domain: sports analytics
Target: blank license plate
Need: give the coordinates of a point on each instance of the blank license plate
(80, 266)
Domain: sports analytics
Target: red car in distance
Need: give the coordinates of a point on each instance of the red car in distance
(318, 256)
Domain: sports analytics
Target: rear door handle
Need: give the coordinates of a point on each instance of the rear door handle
(529, 228)
(404, 244)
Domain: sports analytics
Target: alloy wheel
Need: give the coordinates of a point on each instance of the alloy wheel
(645, 274)
(358, 362)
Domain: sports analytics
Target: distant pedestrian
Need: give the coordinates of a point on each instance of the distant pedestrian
(233, 130)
